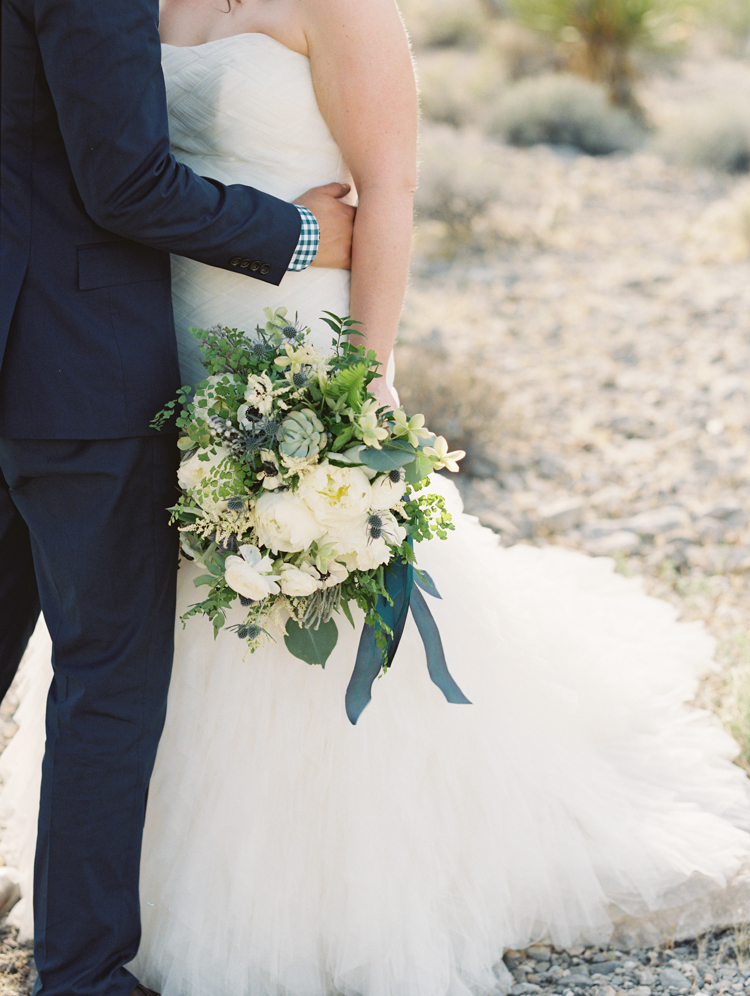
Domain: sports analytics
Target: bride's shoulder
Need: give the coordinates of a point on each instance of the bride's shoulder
(374, 24)
(364, 81)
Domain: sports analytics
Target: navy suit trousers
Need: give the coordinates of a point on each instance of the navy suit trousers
(84, 532)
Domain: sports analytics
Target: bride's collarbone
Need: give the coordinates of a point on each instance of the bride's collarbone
(193, 23)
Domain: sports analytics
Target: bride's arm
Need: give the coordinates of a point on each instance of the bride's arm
(364, 82)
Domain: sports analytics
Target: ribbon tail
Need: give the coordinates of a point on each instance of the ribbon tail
(371, 657)
(366, 669)
(425, 582)
(436, 664)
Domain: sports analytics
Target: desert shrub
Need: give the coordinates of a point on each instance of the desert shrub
(456, 398)
(721, 234)
(445, 23)
(521, 52)
(458, 180)
(715, 134)
(455, 86)
(732, 16)
(562, 109)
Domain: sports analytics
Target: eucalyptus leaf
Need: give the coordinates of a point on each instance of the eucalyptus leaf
(392, 456)
(204, 579)
(313, 646)
(418, 469)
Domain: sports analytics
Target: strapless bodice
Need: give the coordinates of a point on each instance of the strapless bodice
(243, 109)
(247, 105)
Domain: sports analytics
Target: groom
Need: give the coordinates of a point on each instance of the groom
(93, 202)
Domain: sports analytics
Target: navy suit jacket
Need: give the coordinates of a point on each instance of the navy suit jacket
(92, 204)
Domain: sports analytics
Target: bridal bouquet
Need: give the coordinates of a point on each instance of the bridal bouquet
(300, 495)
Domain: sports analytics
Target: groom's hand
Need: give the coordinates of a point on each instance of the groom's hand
(336, 222)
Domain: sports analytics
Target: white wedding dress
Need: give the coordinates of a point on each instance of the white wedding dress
(288, 852)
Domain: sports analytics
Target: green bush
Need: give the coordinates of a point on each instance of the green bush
(714, 134)
(563, 109)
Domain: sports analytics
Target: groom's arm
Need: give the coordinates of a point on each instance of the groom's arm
(102, 62)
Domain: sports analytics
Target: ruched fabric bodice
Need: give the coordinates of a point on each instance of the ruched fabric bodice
(243, 109)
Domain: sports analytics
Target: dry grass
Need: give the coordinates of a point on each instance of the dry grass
(461, 403)
(714, 134)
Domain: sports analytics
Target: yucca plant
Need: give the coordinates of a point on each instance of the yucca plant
(606, 31)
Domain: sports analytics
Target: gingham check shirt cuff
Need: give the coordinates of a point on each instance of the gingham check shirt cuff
(309, 237)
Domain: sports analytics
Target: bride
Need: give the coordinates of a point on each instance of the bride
(287, 852)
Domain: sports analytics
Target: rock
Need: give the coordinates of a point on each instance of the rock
(579, 980)
(640, 991)
(621, 541)
(645, 976)
(494, 520)
(672, 978)
(658, 521)
(561, 515)
(505, 980)
(728, 508)
(524, 988)
(603, 967)
(540, 952)
(710, 529)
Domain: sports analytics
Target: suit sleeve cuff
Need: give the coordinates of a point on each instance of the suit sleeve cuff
(309, 238)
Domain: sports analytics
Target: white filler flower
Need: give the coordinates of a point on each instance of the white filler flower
(298, 581)
(250, 574)
(284, 522)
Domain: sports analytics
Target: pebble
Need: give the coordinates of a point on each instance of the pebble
(671, 978)
(711, 965)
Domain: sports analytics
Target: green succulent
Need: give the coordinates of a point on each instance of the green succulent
(301, 435)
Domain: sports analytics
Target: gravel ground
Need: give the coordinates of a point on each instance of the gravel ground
(593, 356)
(596, 366)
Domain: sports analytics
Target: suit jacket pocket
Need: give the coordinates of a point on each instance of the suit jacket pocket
(111, 264)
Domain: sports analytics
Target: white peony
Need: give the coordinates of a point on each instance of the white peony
(386, 492)
(298, 581)
(250, 574)
(335, 495)
(284, 522)
(367, 556)
(366, 542)
(196, 476)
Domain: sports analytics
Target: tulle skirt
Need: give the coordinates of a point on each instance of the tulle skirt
(288, 852)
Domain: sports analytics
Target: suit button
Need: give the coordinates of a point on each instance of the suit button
(265, 269)
(255, 265)
(235, 261)
(245, 263)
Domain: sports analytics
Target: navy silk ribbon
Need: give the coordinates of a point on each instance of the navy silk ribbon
(401, 584)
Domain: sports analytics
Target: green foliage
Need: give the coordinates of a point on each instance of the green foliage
(271, 409)
(314, 646)
(613, 21)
